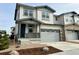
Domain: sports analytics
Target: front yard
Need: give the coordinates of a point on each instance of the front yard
(30, 48)
(36, 48)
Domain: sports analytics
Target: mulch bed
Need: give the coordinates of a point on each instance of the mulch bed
(35, 51)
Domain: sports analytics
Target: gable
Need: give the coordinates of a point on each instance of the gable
(45, 7)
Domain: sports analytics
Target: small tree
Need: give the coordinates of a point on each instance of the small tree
(4, 41)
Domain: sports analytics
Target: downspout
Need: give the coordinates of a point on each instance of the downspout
(36, 16)
(64, 38)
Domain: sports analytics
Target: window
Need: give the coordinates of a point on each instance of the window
(66, 20)
(71, 20)
(56, 18)
(30, 30)
(45, 15)
(28, 12)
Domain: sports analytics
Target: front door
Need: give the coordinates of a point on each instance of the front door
(22, 30)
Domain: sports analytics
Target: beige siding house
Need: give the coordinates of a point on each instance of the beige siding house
(40, 24)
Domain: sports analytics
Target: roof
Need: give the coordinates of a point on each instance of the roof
(27, 20)
(68, 13)
(39, 22)
(37, 7)
(19, 4)
(45, 6)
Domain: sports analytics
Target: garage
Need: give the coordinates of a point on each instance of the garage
(71, 35)
(49, 35)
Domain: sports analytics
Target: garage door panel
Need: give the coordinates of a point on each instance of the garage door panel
(50, 36)
(71, 35)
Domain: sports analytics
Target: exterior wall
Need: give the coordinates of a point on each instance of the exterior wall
(16, 29)
(69, 17)
(54, 20)
(38, 28)
(60, 20)
(26, 29)
(39, 16)
(72, 27)
(18, 14)
(50, 27)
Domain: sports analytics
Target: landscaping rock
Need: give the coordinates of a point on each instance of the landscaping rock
(13, 52)
(45, 49)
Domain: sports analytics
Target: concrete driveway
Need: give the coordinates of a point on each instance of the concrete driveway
(68, 52)
(63, 45)
(68, 48)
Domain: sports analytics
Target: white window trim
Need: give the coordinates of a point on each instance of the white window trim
(45, 18)
(28, 12)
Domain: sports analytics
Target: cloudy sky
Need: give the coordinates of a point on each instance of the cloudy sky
(7, 12)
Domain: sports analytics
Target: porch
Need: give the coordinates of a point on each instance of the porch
(32, 35)
(28, 29)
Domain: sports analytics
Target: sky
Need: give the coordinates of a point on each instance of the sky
(7, 11)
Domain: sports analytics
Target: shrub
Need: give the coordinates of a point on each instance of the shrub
(4, 41)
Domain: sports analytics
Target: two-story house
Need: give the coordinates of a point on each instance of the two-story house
(36, 23)
(39, 23)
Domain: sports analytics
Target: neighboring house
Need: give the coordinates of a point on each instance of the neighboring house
(71, 25)
(39, 23)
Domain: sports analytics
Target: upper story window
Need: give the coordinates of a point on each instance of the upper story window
(28, 12)
(45, 15)
(66, 20)
(56, 19)
(71, 20)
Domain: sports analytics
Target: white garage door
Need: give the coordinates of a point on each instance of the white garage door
(71, 35)
(50, 35)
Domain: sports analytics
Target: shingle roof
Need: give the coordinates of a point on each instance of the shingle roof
(45, 6)
(68, 13)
